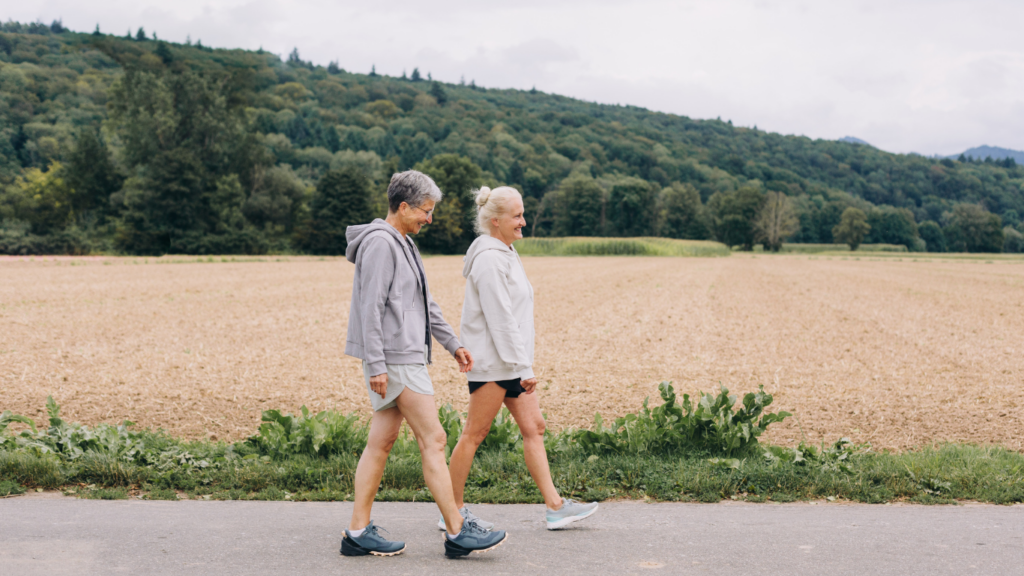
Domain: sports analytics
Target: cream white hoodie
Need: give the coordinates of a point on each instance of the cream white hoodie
(497, 313)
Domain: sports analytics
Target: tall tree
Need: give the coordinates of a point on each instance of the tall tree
(892, 226)
(852, 227)
(682, 213)
(452, 229)
(439, 93)
(776, 221)
(579, 210)
(972, 228)
(91, 173)
(931, 233)
(183, 132)
(734, 214)
(632, 208)
(342, 199)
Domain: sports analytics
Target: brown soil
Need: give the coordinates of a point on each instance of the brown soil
(898, 353)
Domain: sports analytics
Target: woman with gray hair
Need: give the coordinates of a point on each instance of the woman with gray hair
(497, 325)
(390, 324)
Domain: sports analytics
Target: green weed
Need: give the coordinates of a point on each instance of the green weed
(9, 488)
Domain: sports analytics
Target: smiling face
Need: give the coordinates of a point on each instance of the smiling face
(414, 218)
(509, 226)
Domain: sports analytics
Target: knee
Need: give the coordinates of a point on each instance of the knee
(476, 436)
(534, 429)
(433, 441)
(384, 442)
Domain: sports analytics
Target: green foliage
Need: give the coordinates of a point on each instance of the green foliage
(8, 488)
(734, 214)
(325, 434)
(342, 199)
(150, 133)
(637, 460)
(682, 214)
(852, 228)
(711, 425)
(619, 247)
(972, 228)
(632, 208)
(931, 233)
(892, 226)
(577, 207)
(1013, 242)
(451, 231)
(91, 173)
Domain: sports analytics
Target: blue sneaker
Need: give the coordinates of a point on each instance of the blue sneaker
(571, 511)
(472, 538)
(469, 516)
(370, 542)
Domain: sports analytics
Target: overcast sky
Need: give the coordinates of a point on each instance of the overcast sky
(934, 77)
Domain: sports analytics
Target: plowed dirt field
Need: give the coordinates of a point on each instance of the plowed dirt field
(900, 353)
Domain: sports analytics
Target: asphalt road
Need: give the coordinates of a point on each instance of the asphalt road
(53, 535)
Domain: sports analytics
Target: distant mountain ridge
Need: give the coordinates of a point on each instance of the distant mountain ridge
(996, 153)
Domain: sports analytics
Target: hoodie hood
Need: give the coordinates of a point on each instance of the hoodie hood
(481, 245)
(356, 234)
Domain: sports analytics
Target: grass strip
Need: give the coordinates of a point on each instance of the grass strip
(645, 246)
(703, 450)
(937, 475)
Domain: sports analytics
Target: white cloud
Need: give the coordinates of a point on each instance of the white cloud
(925, 76)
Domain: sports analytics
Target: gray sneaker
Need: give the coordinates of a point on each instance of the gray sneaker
(571, 511)
(472, 538)
(370, 542)
(470, 517)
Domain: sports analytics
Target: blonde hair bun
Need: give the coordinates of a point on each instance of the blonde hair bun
(492, 204)
(482, 196)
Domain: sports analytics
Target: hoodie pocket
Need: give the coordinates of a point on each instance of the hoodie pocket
(391, 328)
(413, 332)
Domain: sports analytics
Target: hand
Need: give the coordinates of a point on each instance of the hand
(529, 385)
(465, 360)
(379, 384)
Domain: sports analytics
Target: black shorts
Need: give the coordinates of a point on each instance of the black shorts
(512, 387)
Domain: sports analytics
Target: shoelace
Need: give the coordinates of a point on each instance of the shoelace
(472, 526)
(373, 530)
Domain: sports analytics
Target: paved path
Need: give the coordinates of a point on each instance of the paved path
(56, 535)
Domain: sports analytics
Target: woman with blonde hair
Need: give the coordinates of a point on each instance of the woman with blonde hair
(497, 327)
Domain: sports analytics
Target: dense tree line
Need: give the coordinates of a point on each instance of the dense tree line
(135, 145)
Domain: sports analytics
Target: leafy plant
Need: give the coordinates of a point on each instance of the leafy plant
(327, 433)
(713, 425)
(836, 458)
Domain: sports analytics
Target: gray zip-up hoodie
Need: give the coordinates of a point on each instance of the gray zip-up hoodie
(497, 314)
(388, 319)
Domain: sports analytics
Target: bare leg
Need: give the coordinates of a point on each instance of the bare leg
(421, 414)
(526, 411)
(483, 407)
(384, 429)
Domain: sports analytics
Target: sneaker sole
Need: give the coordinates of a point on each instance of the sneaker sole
(350, 548)
(452, 550)
(566, 521)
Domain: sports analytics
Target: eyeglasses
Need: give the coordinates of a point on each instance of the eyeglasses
(429, 213)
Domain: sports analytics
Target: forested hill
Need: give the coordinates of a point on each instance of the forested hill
(136, 145)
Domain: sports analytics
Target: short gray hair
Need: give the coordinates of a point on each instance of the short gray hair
(412, 187)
